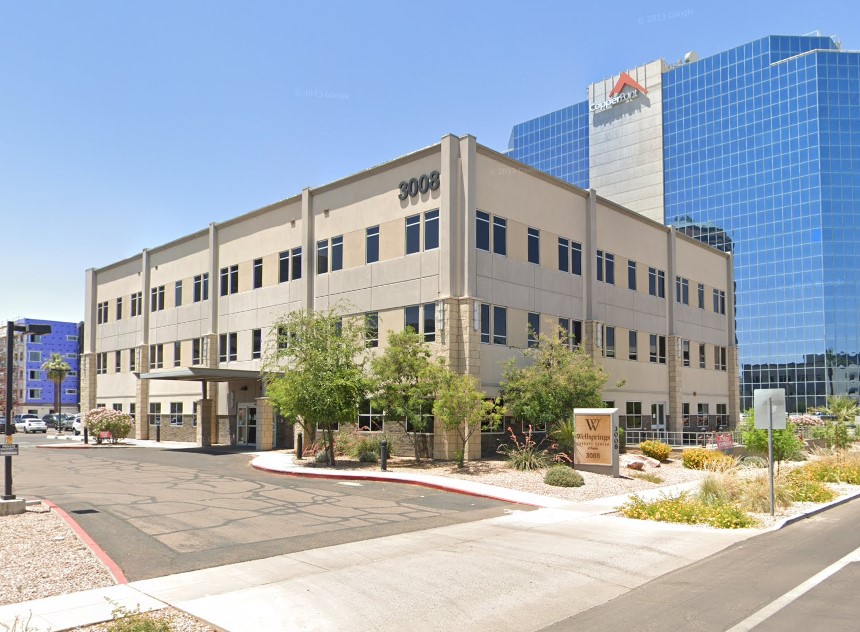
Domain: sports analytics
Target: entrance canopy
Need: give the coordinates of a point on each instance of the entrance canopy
(201, 374)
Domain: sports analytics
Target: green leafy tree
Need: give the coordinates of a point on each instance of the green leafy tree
(556, 380)
(402, 384)
(314, 371)
(842, 410)
(57, 369)
(786, 443)
(461, 405)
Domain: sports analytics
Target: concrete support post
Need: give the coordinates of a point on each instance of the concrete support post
(89, 382)
(210, 353)
(206, 418)
(593, 340)
(265, 424)
(675, 362)
(734, 386)
(141, 395)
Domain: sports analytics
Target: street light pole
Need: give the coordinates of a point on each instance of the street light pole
(10, 349)
(11, 329)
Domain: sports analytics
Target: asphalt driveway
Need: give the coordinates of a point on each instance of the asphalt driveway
(158, 512)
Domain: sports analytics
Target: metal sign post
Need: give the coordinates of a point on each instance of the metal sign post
(770, 403)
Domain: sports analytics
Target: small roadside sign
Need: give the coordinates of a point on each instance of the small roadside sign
(725, 441)
(9, 449)
(769, 406)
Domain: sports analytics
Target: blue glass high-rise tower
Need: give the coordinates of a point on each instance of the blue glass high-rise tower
(755, 150)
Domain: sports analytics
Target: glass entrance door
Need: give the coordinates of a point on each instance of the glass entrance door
(246, 424)
(658, 416)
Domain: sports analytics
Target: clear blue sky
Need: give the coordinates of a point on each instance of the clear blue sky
(124, 125)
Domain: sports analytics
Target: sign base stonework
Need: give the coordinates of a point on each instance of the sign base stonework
(596, 440)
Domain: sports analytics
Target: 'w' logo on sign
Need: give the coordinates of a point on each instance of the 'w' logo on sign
(592, 424)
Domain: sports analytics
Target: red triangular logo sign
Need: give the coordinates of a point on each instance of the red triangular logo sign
(626, 80)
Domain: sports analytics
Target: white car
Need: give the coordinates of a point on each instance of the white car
(30, 423)
(77, 425)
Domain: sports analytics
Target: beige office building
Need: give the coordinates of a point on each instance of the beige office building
(467, 246)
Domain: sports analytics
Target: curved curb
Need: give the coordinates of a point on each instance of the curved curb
(78, 447)
(104, 558)
(815, 511)
(403, 481)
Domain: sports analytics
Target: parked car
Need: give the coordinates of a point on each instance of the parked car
(77, 425)
(28, 424)
(3, 426)
(50, 420)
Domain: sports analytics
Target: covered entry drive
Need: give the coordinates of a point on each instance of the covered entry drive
(231, 410)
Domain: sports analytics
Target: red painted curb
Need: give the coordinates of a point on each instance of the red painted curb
(104, 558)
(385, 479)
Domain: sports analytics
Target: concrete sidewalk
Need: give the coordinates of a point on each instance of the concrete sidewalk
(518, 572)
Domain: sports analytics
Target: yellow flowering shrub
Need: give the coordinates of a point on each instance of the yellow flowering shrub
(656, 449)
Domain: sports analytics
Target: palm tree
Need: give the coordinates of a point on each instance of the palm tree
(57, 370)
(843, 408)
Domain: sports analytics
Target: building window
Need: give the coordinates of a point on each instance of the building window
(369, 418)
(534, 329)
(177, 294)
(32, 356)
(256, 343)
(201, 287)
(34, 375)
(485, 323)
(371, 329)
(431, 230)
(117, 362)
(703, 411)
(563, 254)
(137, 304)
(634, 415)
(101, 363)
(413, 234)
(175, 413)
(500, 325)
(576, 328)
(296, 269)
(371, 248)
(719, 358)
(661, 349)
(482, 231)
(609, 262)
(599, 265)
(156, 303)
(227, 347)
(534, 245)
(719, 302)
(118, 312)
(337, 253)
(258, 274)
(284, 266)
(322, 256)
(723, 364)
(610, 342)
(702, 356)
(631, 275)
(411, 318)
(701, 296)
(661, 284)
(576, 258)
(652, 345)
(682, 290)
(75, 338)
(157, 356)
(177, 353)
(429, 322)
(71, 391)
(229, 280)
(101, 315)
(685, 352)
(500, 236)
(154, 413)
(722, 416)
(632, 343)
(34, 393)
(564, 332)
(685, 413)
(195, 351)
(132, 360)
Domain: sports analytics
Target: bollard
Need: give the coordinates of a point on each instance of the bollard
(383, 455)
(299, 447)
(158, 432)
(86, 436)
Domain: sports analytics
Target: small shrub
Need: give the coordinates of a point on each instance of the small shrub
(368, 457)
(805, 490)
(108, 420)
(716, 489)
(704, 459)
(656, 450)
(563, 476)
(647, 476)
(834, 466)
(749, 462)
(524, 455)
(321, 457)
(125, 620)
(754, 494)
(687, 510)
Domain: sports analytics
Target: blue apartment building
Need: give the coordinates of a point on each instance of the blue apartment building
(38, 390)
(755, 150)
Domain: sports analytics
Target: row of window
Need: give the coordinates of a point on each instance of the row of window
(36, 356)
(634, 417)
(36, 393)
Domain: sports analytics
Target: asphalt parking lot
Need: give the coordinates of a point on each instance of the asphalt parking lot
(158, 512)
